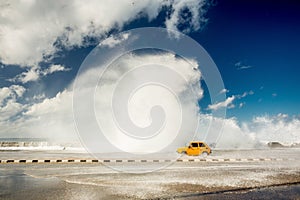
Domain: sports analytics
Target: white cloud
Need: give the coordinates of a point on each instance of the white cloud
(227, 103)
(144, 98)
(53, 117)
(4, 93)
(31, 74)
(11, 92)
(224, 91)
(244, 94)
(114, 40)
(30, 29)
(196, 19)
(35, 73)
(9, 105)
(11, 109)
(241, 66)
(55, 68)
(39, 97)
(241, 104)
(255, 133)
(53, 105)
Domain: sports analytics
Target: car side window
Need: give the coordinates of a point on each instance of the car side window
(202, 145)
(194, 144)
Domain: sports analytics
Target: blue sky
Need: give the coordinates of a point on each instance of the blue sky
(255, 45)
(262, 36)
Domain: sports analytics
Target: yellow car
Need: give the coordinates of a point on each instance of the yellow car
(195, 148)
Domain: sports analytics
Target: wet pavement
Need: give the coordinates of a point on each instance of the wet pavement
(255, 179)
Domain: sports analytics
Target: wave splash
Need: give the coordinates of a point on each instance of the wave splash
(36, 144)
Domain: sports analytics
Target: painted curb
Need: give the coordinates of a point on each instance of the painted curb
(33, 161)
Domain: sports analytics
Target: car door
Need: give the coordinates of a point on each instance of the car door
(193, 148)
(202, 147)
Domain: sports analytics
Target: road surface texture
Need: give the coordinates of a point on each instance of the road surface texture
(236, 174)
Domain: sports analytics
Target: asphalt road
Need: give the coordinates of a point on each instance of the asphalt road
(213, 179)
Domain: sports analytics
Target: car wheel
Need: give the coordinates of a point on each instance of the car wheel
(204, 154)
